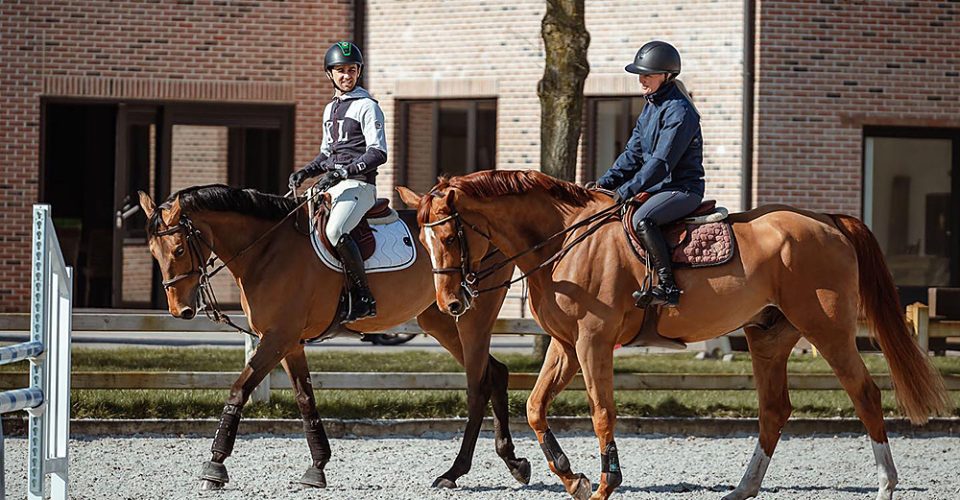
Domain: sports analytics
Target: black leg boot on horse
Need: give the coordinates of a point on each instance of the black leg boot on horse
(362, 304)
(665, 292)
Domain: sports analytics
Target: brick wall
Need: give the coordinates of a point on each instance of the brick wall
(465, 48)
(468, 49)
(195, 50)
(826, 69)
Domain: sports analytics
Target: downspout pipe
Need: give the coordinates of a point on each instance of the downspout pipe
(360, 31)
(746, 148)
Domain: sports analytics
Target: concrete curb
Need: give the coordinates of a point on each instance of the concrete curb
(706, 427)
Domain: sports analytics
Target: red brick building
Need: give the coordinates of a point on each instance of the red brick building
(858, 111)
(855, 109)
(102, 98)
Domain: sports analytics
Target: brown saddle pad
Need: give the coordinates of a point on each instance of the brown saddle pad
(691, 245)
(362, 234)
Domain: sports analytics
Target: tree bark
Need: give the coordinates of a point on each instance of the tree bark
(560, 90)
(565, 41)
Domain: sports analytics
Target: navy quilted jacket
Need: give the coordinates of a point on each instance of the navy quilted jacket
(665, 151)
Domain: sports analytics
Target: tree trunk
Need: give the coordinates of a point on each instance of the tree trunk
(565, 40)
(560, 90)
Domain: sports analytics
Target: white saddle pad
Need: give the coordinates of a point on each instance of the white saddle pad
(396, 249)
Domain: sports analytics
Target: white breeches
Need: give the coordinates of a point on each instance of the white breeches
(350, 200)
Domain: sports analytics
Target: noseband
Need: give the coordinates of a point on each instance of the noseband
(469, 278)
(207, 301)
(194, 238)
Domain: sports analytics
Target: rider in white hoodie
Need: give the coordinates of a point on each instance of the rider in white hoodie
(354, 145)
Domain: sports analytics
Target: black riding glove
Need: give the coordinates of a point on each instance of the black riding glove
(331, 177)
(297, 178)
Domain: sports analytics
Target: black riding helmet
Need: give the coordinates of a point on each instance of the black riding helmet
(654, 58)
(342, 53)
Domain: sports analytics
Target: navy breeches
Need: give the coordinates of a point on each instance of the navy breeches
(667, 206)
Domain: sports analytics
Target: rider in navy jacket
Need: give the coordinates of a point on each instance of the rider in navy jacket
(664, 157)
(665, 150)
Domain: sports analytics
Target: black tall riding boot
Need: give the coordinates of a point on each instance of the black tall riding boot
(665, 292)
(362, 304)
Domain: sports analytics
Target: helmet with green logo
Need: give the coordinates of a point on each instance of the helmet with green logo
(342, 53)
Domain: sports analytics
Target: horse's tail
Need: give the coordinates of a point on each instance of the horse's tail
(918, 385)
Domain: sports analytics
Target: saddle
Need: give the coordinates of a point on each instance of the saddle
(380, 214)
(702, 239)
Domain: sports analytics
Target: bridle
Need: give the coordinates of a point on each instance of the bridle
(207, 300)
(470, 279)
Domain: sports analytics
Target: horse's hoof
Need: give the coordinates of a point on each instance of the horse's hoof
(443, 482)
(739, 494)
(584, 488)
(213, 472)
(314, 477)
(207, 485)
(521, 472)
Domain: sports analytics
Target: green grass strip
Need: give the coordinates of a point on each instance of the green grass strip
(229, 359)
(440, 404)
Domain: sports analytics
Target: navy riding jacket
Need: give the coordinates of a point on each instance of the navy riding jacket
(665, 151)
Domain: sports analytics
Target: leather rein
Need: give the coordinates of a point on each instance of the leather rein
(470, 279)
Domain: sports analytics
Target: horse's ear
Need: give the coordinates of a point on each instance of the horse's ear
(409, 197)
(171, 216)
(147, 204)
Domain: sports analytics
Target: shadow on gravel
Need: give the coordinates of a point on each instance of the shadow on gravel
(558, 488)
(866, 490)
(553, 488)
(678, 488)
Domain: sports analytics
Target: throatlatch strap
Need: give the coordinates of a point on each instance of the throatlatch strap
(227, 431)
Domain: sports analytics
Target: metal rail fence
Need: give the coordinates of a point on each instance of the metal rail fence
(47, 399)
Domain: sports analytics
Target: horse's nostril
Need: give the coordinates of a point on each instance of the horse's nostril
(187, 313)
(455, 307)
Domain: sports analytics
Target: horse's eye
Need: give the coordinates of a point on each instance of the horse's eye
(449, 240)
(178, 252)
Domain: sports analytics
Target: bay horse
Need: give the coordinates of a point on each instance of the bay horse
(289, 296)
(794, 274)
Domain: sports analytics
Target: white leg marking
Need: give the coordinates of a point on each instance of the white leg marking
(886, 471)
(752, 477)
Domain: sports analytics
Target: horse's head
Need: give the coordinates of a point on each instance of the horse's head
(177, 246)
(457, 239)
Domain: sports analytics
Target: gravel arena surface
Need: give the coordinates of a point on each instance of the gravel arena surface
(657, 466)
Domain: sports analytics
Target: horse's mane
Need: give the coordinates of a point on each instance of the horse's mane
(221, 198)
(492, 183)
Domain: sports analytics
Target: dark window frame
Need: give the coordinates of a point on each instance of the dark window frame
(402, 128)
(164, 114)
(952, 134)
(589, 169)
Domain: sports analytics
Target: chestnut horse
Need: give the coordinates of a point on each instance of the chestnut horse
(289, 296)
(794, 274)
